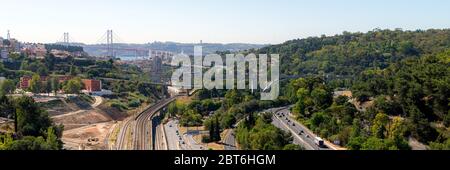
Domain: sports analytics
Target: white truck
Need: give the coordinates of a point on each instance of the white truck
(319, 142)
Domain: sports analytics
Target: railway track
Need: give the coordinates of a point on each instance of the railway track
(121, 142)
(144, 125)
(141, 127)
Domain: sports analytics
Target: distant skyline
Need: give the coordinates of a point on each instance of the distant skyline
(213, 21)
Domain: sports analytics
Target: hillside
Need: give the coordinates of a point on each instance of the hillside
(348, 54)
(404, 75)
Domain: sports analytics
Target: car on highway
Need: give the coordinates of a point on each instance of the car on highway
(293, 124)
(307, 136)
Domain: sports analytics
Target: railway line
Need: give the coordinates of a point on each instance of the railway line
(142, 128)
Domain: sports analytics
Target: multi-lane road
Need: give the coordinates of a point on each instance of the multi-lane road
(302, 135)
(281, 119)
(178, 140)
(144, 133)
(141, 128)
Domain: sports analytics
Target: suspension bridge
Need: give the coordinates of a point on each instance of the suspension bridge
(111, 45)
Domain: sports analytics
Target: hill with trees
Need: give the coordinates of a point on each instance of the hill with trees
(405, 74)
(342, 57)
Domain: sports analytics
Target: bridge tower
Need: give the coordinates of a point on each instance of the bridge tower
(110, 42)
(66, 38)
(8, 35)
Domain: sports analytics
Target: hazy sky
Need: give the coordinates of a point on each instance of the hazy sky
(224, 21)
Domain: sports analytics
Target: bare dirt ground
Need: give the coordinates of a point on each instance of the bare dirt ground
(91, 137)
(87, 126)
(81, 118)
(416, 145)
(6, 127)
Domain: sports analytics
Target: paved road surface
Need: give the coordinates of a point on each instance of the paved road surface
(303, 136)
(178, 141)
(172, 136)
(230, 140)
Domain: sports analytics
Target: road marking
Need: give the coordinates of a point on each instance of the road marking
(295, 134)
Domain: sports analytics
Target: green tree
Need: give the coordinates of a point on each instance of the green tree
(212, 130)
(36, 84)
(321, 97)
(440, 146)
(356, 143)
(52, 140)
(73, 86)
(374, 144)
(55, 85)
(42, 70)
(7, 109)
(73, 70)
(292, 147)
(48, 88)
(217, 130)
(397, 128)
(7, 87)
(31, 119)
(5, 141)
(379, 125)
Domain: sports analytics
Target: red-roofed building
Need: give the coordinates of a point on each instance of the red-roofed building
(62, 79)
(92, 85)
(25, 81)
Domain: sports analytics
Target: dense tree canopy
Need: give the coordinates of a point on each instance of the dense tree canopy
(35, 130)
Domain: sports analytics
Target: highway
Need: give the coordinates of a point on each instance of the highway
(282, 120)
(168, 136)
(172, 133)
(301, 134)
(161, 140)
(178, 141)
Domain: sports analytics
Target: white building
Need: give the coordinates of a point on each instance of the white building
(4, 53)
